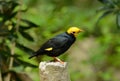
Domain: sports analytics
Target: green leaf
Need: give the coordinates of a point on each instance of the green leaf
(7, 8)
(31, 24)
(26, 49)
(26, 35)
(108, 3)
(12, 35)
(13, 15)
(5, 54)
(102, 8)
(23, 28)
(13, 4)
(19, 61)
(104, 15)
(4, 51)
(15, 55)
(118, 19)
(103, 1)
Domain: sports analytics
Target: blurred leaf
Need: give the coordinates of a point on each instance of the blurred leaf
(106, 75)
(13, 4)
(13, 15)
(24, 27)
(15, 55)
(118, 19)
(18, 76)
(21, 62)
(118, 2)
(26, 49)
(102, 8)
(31, 24)
(13, 75)
(108, 2)
(26, 36)
(7, 9)
(12, 36)
(4, 50)
(3, 33)
(104, 15)
(103, 1)
(4, 54)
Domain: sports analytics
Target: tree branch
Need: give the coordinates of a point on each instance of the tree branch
(0, 75)
(11, 61)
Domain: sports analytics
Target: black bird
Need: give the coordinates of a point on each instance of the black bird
(58, 44)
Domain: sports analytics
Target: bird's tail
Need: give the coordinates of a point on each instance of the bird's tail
(35, 54)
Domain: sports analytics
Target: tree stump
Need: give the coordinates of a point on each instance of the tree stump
(53, 71)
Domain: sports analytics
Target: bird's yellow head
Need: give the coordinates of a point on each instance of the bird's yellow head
(74, 31)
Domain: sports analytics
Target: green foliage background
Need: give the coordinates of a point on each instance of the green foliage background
(31, 22)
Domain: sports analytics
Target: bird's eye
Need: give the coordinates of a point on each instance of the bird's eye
(73, 32)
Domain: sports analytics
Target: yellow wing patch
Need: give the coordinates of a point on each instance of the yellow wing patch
(49, 49)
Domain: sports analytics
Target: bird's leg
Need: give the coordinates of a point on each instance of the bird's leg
(57, 59)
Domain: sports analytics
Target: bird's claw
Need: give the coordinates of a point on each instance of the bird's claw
(58, 60)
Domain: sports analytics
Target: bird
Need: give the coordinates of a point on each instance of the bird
(59, 44)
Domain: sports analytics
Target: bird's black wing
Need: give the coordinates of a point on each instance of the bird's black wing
(55, 43)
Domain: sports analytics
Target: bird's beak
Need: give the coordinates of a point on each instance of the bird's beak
(81, 30)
